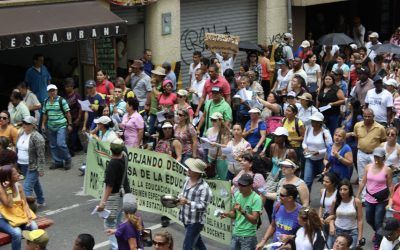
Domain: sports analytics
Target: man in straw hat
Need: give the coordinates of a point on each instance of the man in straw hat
(195, 197)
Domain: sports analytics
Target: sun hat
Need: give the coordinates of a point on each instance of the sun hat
(196, 165)
(317, 116)
(245, 180)
(167, 125)
(288, 162)
(216, 116)
(391, 82)
(160, 71)
(305, 96)
(166, 82)
(103, 120)
(182, 92)
(254, 110)
(51, 86)
(281, 131)
(29, 120)
(380, 152)
(305, 44)
(129, 204)
(38, 237)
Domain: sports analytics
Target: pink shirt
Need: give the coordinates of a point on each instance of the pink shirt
(396, 103)
(167, 101)
(131, 126)
(375, 183)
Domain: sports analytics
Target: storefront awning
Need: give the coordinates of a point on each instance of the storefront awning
(36, 25)
(313, 2)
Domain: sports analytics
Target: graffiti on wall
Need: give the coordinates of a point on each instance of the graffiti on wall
(193, 40)
(275, 39)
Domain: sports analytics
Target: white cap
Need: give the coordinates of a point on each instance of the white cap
(254, 110)
(305, 44)
(288, 162)
(288, 35)
(391, 82)
(51, 86)
(317, 116)
(216, 116)
(374, 34)
(29, 120)
(292, 94)
(167, 125)
(353, 46)
(281, 131)
(103, 120)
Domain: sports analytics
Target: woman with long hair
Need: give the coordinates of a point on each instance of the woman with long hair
(167, 143)
(185, 132)
(252, 62)
(311, 226)
(295, 128)
(299, 85)
(183, 104)
(313, 71)
(13, 200)
(347, 212)
(132, 124)
(7, 156)
(104, 130)
(163, 241)
(103, 85)
(218, 135)
(331, 95)
(341, 64)
(167, 98)
(328, 195)
(392, 149)
(271, 106)
(283, 77)
(339, 157)
(255, 130)
(377, 181)
(6, 129)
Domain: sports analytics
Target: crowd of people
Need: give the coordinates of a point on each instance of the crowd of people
(272, 129)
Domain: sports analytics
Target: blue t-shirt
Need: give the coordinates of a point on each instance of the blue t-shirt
(126, 231)
(337, 167)
(286, 223)
(254, 137)
(347, 127)
(37, 82)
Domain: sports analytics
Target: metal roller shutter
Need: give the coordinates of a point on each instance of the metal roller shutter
(238, 17)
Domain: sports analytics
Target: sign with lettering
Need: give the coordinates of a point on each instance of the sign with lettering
(152, 175)
(222, 42)
(58, 36)
(132, 2)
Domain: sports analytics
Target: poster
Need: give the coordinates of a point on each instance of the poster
(152, 175)
(222, 43)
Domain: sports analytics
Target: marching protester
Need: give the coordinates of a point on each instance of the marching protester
(84, 242)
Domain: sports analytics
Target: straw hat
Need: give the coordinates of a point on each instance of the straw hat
(196, 165)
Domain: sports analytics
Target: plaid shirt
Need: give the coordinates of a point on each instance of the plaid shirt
(36, 151)
(199, 196)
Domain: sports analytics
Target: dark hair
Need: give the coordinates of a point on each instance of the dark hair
(17, 95)
(291, 190)
(7, 113)
(22, 85)
(167, 236)
(69, 81)
(378, 58)
(229, 73)
(119, 81)
(344, 182)
(348, 238)
(249, 55)
(205, 61)
(362, 48)
(86, 241)
(36, 56)
(109, 125)
(166, 66)
(248, 157)
(99, 112)
(307, 60)
(102, 71)
(5, 173)
(333, 177)
(146, 50)
(341, 55)
(215, 67)
(245, 67)
(357, 111)
(277, 98)
(197, 53)
(293, 108)
(4, 142)
(133, 102)
(302, 82)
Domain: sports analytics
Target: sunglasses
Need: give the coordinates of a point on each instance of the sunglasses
(213, 120)
(391, 134)
(159, 243)
(180, 96)
(287, 166)
(3, 117)
(283, 195)
(180, 114)
(241, 185)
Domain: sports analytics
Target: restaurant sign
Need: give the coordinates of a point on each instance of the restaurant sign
(64, 35)
(132, 2)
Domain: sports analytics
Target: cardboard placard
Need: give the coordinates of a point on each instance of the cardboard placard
(222, 42)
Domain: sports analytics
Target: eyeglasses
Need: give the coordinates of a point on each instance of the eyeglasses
(180, 114)
(3, 117)
(166, 128)
(283, 195)
(117, 91)
(159, 243)
(286, 166)
(391, 134)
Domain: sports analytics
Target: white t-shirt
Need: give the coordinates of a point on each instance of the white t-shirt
(386, 244)
(371, 54)
(379, 103)
(198, 86)
(283, 81)
(192, 69)
(316, 142)
(312, 72)
(302, 241)
(300, 72)
(225, 64)
(23, 147)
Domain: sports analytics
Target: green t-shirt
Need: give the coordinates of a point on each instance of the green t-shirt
(222, 107)
(154, 102)
(55, 116)
(250, 204)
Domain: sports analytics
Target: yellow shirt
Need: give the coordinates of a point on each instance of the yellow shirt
(369, 140)
(11, 133)
(291, 127)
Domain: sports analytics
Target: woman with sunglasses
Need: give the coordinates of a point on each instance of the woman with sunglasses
(182, 104)
(252, 62)
(219, 136)
(347, 212)
(378, 182)
(6, 129)
(185, 132)
(309, 235)
(255, 130)
(163, 241)
(392, 149)
(167, 144)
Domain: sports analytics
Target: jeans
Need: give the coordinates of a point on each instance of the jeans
(15, 232)
(243, 243)
(311, 169)
(112, 223)
(152, 124)
(58, 145)
(32, 183)
(353, 233)
(362, 160)
(193, 238)
(375, 213)
(332, 122)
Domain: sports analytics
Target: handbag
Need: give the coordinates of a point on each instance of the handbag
(380, 196)
(16, 215)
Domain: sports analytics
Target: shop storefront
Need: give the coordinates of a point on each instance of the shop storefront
(74, 37)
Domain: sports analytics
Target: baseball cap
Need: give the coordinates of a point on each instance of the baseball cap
(391, 82)
(29, 120)
(90, 84)
(129, 204)
(216, 116)
(216, 89)
(38, 237)
(245, 180)
(281, 131)
(389, 225)
(292, 94)
(288, 35)
(305, 96)
(167, 125)
(51, 86)
(305, 44)
(374, 34)
(380, 152)
(254, 110)
(103, 120)
(117, 145)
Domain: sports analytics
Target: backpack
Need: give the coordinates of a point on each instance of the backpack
(273, 123)
(60, 99)
(296, 124)
(278, 53)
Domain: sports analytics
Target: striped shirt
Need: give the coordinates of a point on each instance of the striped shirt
(199, 196)
(55, 116)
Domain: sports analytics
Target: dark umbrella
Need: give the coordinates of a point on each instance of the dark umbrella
(246, 46)
(335, 39)
(387, 48)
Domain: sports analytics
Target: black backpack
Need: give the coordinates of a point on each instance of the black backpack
(278, 53)
(60, 99)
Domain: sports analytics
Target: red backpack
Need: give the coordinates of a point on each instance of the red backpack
(273, 122)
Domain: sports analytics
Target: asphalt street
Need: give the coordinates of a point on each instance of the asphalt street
(71, 211)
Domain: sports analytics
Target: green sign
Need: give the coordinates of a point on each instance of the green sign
(152, 175)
